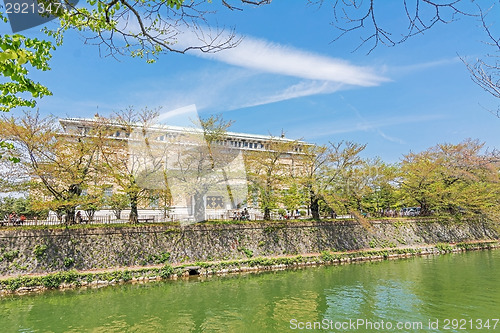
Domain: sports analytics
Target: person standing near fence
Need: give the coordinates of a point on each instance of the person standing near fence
(78, 217)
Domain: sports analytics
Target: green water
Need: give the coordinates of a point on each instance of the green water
(458, 286)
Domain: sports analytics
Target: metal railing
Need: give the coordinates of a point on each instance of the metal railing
(53, 220)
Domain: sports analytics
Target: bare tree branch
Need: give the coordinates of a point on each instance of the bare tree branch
(148, 28)
(352, 16)
(486, 73)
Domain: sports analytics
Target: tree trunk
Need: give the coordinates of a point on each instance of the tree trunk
(70, 215)
(133, 210)
(314, 206)
(90, 214)
(199, 207)
(424, 208)
(118, 213)
(267, 214)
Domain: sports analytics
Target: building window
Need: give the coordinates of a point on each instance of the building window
(154, 201)
(108, 191)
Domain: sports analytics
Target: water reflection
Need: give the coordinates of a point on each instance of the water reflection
(417, 289)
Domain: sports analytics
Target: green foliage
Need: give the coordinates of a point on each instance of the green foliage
(118, 202)
(273, 228)
(166, 271)
(444, 247)
(63, 176)
(294, 197)
(161, 258)
(380, 191)
(453, 179)
(68, 262)
(99, 19)
(17, 52)
(268, 172)
(327, 256)
(474, 246)
(39, 251)
(382, 244)
(6, 149)
(332, 178)
(399, 224)
(172, 231)
(262, 261)
(22, 206)
(10, 255)
(126, 275)
(55, 280)
(247, 252)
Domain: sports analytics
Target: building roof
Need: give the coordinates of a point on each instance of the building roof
(178, 129)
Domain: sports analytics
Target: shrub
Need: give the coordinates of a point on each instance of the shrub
(39, 251)
(248, 252)
(327, 256)
(68, 262)
(166, 271)
(10, 255)
(162, 258)
(444, 247)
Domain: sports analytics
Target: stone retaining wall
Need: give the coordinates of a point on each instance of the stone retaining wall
(51, 250)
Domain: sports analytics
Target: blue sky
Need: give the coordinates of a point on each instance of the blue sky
(288, 75)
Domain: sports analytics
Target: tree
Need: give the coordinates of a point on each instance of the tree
(452, 179)
(149, 28)
(17, 52)
(416, 17)
(382, 191)
(484, 73)
(206, 165)
(125, 144)
(326, 168)
(53, 164)
(26, 206)
(294, 196)
(419, 16)
(90, 203)
(118, 202)
(163, 199)
(268, 171)
(313, 162)
(215, 132)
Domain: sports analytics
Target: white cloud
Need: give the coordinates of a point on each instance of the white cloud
(306, 73)
(301, 89)
(408, 69)
(364, 125)
(275, 58)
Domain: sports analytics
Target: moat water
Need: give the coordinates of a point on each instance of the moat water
(448, 293)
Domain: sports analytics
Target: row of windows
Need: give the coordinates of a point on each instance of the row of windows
(230, 143)
(242, 144)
